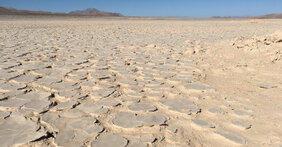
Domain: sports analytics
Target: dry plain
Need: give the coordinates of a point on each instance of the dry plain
(137, 82)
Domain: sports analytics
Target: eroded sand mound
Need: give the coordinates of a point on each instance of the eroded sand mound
(269, 46)
(247, 70)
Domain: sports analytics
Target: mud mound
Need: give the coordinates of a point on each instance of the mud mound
(269, 45)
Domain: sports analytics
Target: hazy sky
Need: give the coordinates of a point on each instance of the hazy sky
(186, 8)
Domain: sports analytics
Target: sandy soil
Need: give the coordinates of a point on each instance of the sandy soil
(140, 82)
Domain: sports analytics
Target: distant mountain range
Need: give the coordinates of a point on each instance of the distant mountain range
(86, 12)
(93, 11)
(96, 12)
(271, 16)
(268, 16)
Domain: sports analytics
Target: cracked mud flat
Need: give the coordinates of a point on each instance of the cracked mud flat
(137, 83)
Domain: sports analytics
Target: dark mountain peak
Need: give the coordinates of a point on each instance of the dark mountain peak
(85, 12)
(94, 12)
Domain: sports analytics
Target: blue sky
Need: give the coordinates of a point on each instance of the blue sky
(180, 8)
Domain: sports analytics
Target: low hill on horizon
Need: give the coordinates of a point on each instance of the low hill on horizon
(12, 11)
(271, 16)
(268, 16)
(86, 12)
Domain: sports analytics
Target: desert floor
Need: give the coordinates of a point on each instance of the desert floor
(140, 82)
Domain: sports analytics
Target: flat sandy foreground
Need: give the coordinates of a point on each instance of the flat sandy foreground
(140, 82)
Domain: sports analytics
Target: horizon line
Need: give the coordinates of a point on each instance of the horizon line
(167, 16)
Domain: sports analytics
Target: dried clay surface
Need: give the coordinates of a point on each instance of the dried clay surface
(116, 82)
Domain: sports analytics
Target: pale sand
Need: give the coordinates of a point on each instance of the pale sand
(118, 82)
